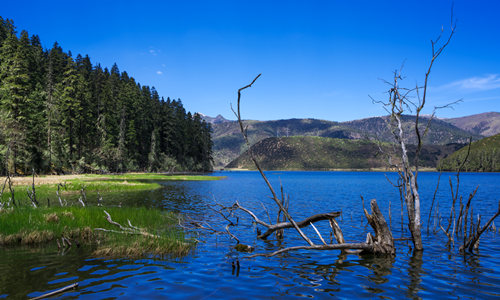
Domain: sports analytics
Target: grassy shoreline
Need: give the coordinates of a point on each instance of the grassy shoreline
(150, 231)
(46, 186)
(157, 233)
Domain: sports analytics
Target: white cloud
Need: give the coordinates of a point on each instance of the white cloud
(159, 72)
(485, 83)
(154, 51)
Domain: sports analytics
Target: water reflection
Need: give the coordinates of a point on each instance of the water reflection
(208, 272)
(415, 273)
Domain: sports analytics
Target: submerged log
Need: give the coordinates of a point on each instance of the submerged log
(380, 244)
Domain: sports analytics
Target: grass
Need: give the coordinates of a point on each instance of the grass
(484, 156)
(25, 225)
(91, 183)
(35, 226)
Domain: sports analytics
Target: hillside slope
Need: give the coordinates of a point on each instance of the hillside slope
(319, 153)
(486, 124)
(484, 157)
(228, 143)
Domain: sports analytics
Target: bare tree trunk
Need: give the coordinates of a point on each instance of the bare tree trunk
(402, 100)
(383, 241)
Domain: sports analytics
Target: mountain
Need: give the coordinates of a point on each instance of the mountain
(229, 144)
(211, 120)
(486, 124)
(320, 153)
(440, 132)
(484, 156)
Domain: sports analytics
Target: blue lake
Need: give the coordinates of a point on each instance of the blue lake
(207, 272)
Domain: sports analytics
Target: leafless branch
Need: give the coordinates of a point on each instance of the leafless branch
(256, 163)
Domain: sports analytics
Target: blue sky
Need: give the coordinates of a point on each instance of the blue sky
(318, 59)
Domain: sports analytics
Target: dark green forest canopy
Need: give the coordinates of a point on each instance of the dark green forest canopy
(483, 156)
(60, 114)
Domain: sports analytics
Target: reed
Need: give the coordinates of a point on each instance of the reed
(35, 226)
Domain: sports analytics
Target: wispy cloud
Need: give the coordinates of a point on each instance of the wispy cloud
(159, 72)
(154, 51)
(485, 83)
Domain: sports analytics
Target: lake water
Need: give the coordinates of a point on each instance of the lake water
(207, 272)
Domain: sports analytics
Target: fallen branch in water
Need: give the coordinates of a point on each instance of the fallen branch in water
(125, 230)
(64, 289)
(381, 243)
(283, 225)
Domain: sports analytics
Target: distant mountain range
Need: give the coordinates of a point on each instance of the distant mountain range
(486, 124)
(322, 153)
(229, 144)
(216, 120)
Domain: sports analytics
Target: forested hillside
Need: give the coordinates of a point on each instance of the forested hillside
(323, 153)
(484, 156)
(229, 144)
(60, 114)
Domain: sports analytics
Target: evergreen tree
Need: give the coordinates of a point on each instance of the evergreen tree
(63, 115)
(13, 98)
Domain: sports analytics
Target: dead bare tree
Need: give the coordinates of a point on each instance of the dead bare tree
(400, 102)
(471, 232)
(379, 243)
(32, 193)
(471, 240)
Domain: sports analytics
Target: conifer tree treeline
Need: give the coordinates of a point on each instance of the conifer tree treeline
(60, 114)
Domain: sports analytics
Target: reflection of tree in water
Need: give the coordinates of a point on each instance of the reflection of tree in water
(47, 270)
(415, 272)
(377, 270)
(181, 197)
(173, 196)
(380, 266)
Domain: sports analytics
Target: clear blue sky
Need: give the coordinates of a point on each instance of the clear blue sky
(318, 59)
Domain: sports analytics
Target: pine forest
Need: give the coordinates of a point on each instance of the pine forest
(63, 114)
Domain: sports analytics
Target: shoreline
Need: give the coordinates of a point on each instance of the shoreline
(330, 170)
(56, 179)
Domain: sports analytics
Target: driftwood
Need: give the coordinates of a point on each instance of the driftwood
(381, 243)
(271, 228)
(125, 230)
(62, 290)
